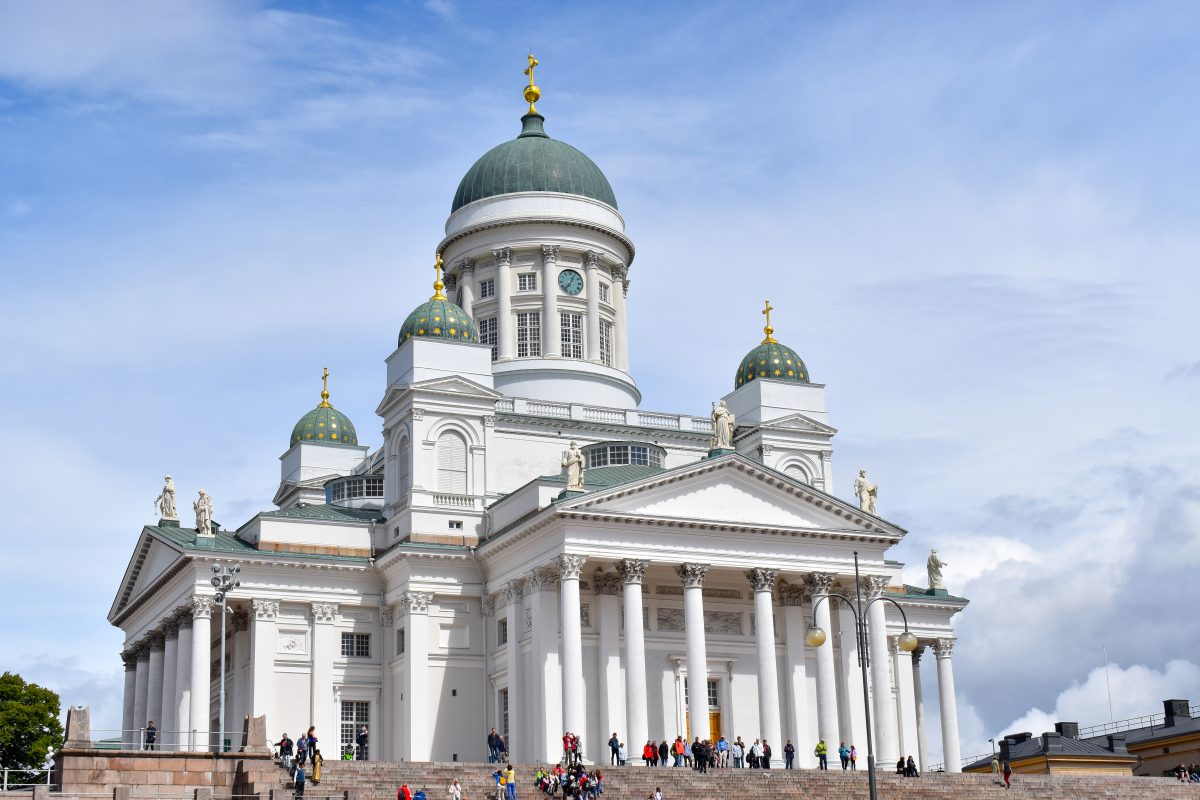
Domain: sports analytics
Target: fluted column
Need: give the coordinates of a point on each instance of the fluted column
(887, 748)
(167, 726)
(612, 695)
(201, 700)
(324, 651)
(262, 659)
(154, 680)
(951, 757)
(517, 738)
(541, 587)
(919, 703)
(140, 696)
(591, 263)
(183, 680)
(573, 698)
(692, 576)
(466, 283)
(791, 597)
(621, 328)
(763, 581)
(633, 572)
(505, 324)
(907, 714)
(551, 328)
(820, 584)
(129, 701)
(239, 660)
(415, 606)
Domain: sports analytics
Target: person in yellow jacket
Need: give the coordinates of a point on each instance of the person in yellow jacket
(509, 781)
(822, 754)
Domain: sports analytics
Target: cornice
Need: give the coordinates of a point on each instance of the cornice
(510, 223)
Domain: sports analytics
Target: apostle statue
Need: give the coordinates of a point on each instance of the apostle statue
(723, 422)
(866, 492)
(934, 567)
(204, 514)
(165, 502)
(572, 463)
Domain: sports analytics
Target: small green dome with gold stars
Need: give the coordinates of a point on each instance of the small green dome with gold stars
(325, 423)
(771, 360)
(439, 319)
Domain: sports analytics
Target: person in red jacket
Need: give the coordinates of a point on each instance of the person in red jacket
(403, 793)
(649, 753)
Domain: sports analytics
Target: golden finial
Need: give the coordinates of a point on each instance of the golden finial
(767, 329)
(437, 284)
(532, 92)
(325, 389)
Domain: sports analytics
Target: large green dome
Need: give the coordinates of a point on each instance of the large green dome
(773, 361)
(533, 162)
(438, 318)
(325, 424)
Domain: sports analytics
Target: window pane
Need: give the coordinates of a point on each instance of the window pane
(487, 335)
(606, 343)
(487, 289)
(529, 334)
(639, 456)
(571, 327)
(347, 645)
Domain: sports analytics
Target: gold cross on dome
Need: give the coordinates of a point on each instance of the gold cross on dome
(532, 92)
(767, 329)
(325, 387)
(437, 283)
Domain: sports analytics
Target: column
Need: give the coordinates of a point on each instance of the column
(168, 728)
(791, 597)
(201, 700)
(919, 703)
(942, 649)
(907, 724)
(466, 282)
(819, 584)
(621, 327)
(541, 587)
(239, 694)
(513, 595)
(505, 324)
(763, 581)
(612, 711)
(591, 263)
(324, 650)
(850, 702)
(551, 327)
(262, 661)
(887, 748)
(415, 606)
(139, 702)
(633, 572)
(573, 697)
(129, 657)
(692, 576)
(384, 729)
(154, 680)
(183, 680)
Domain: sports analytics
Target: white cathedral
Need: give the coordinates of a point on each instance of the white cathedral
(458, 578)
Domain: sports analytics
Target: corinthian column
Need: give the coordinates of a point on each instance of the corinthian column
(591, 263)
(612, 707)
(919, 702)
(154, 680)
(466, 282)
(791, 597)
(692, 576)
(621, 328)
(887, 747)
(763, 581)
(819, 584)
(551, 327)
(505, 326)
(128, 728)
(573, 698)
(167, 726)
(141, 682)
(416, 674)
(516, 736)
(183, 680)
(633, 572)
(943, 649)
(201, 701)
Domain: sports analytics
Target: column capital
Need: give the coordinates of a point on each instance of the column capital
(633, 570)
(761, 578)
(692, 574)
(466, 266)
(514, 590)
(129, 658)
(619, 272)
(820, 583)
(591, 259)
(550, 252)
(156, 641)
(917, 653)
(503, 256)
(265, 608)
(142, 650)
(387, 617)
(324, 613)
(488, 605)
(943, 648)
(607, 583)
(540, 579)
(569, 566)
(183, 618)
(791, 594)
(875, 585)
(170, 627)
(416, 602)
(202, 605)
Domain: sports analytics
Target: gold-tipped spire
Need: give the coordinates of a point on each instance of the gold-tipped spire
(437, 284)
(767, 329)
(325, 389)
(532, 92)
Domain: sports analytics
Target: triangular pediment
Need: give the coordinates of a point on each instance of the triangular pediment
(799, 422)
(454, 385)
(731, 491)
(151, 559)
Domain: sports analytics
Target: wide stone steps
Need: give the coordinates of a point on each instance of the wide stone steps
(379, 781)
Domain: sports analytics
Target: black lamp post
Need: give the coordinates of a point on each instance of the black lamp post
(225, 579)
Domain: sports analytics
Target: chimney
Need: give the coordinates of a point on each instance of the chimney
(1068, 729)
(1176, 710)
(1116, 743)
(1052, 742)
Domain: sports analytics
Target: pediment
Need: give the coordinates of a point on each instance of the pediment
(151, 559)
(454, 385)
(800, 422)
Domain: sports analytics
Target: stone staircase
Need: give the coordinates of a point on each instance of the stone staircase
(368, 780)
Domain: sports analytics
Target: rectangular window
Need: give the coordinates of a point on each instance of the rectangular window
(456, 525)
(529, 334)
(399, 641)
(502, 631)
(355, 714)
(606, 343)
(604, 293)
(598, 457)
(356, 645)
(572, 335)
(374, 486)
(639, 456)
(488, 335)
(354, 489)
(339, 491)
(487, 289)
(503, 700)
(527, 282)
(714, 700)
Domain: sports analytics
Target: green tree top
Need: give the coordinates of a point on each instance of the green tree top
(29, 726)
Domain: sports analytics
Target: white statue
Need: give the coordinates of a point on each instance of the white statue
(165, 502)
(204, 514)
(572, 462)
(723, 422)
(866, 492)
(934, 566)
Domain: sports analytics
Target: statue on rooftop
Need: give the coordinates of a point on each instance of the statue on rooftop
(165, 502)
(204, 514)
(866, 492)
(934, 567)
(723, 422)
(572, 463)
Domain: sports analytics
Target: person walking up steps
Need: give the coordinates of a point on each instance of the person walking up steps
(822, 754)
(510, 782)
(1007, 775)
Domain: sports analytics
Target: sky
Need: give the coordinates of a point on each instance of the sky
(976, 222)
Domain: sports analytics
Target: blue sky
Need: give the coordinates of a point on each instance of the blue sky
(976, 221)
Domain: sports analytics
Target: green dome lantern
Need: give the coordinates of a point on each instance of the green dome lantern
(325, 423)
(771, 360)
(438, 318)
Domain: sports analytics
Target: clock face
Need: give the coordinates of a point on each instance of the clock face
(570, 281)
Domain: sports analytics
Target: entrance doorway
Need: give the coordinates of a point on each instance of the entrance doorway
(714, 709)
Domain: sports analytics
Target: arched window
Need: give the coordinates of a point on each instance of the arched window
(403, 468)
(794, 471)
(451, 464)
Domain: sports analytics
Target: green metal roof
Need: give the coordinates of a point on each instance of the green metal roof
(325, 424)
(919, 592)
(226, 542)
(326, 512)
(773, 361)
(439, 319)
(533, 162)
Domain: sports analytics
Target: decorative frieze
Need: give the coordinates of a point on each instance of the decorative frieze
(292, 643)
(728, 623)
(265, 609)
(632, 570)
(608, 583)
(820, 583)
(692, 574)
(761, 578)
(202, 605)
(569, 566)
(711, 592)
(324, 613)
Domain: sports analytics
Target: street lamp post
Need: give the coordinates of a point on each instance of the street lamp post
(225, 579)
(907, 642)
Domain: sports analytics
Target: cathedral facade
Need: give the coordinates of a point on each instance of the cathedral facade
(529, 549)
